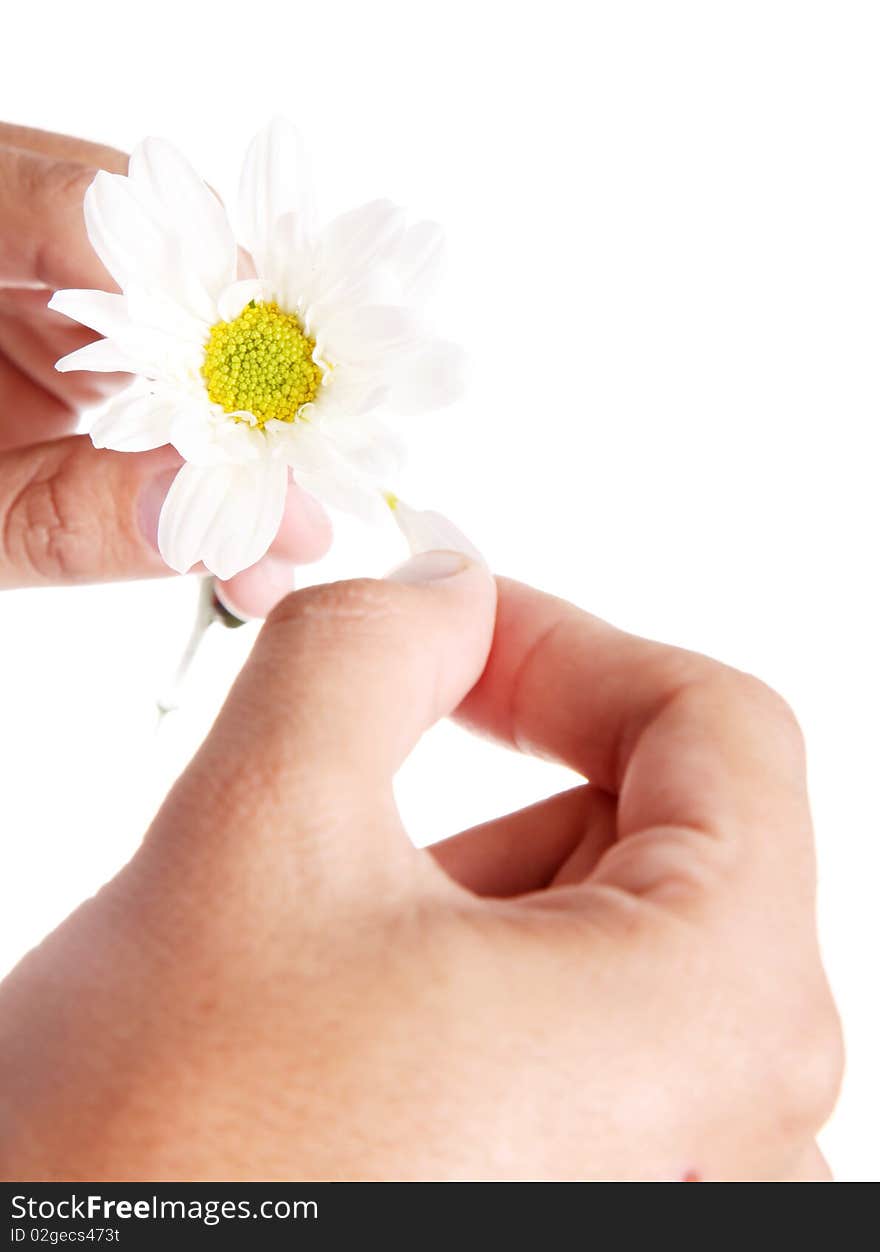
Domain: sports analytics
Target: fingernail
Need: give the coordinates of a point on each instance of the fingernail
(429, 567)
(227, 603)
(150, 502)
(254, 592)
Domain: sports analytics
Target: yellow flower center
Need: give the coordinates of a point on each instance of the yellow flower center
(261, 363)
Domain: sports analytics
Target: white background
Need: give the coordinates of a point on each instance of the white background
(664, 222)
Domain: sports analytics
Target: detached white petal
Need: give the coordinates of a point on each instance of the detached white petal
(223, 515)
(426, 531)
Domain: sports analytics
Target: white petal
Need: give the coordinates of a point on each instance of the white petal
(417, 259)
(426, 531)
(102, 311)
(365, 334)
(274, 181)
(202, 433)
(348, 392)
(174, 194)
(146, 349)
(322, 469)
(223, 515)
(148, 353)
(343, 491)
(137, 248)
(101, 357)
(350, 244)
(291, 261)
(237, 295)
(369, 444)
(157, 311)
(133, 423)
(193, 434)
(120, 230)
(431, 377)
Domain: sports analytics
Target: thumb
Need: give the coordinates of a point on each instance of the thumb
(72, 514)
(342, 682)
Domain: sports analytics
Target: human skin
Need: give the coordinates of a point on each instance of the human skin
(621, 982)
(69, 513)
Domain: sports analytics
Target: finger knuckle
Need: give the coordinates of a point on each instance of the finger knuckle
(744, 696)
(773, 707)
(67, 180)
(667, 862)
(45, 533)
(55, 189)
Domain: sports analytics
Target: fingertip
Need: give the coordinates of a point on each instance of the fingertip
(456, 602)
(304, 535)
(368, 664)
(254, 593)
(305, 532)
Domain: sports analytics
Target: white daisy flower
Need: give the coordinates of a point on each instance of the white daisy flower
(251, 377)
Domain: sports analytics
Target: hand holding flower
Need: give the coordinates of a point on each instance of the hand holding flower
(252, 371)
(69, 513)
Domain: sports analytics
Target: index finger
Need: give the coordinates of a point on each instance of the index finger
(43, 240)
(63, 147)
(680, 739)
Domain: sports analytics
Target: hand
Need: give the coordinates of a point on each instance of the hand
(69, 513)
(622, 981)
